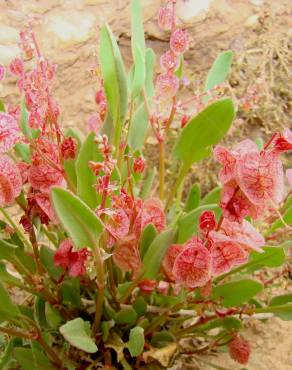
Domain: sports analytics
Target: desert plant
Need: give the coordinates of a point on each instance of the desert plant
(117, 266)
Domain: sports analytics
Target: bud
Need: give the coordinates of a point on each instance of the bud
(165, 18)
(169, 61)
(16, 67)
(69, 148)
(139, 165)
(284, 142)
(207, 221)
(239, 349)
(184, 120)
(99, 97)
(167, 85)
(179, 41)
(147, 286)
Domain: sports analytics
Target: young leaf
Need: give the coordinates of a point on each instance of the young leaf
(206, 129)
(189, 223)
(219, 70)
(81, 223)
(237, 292)
(126, 316)
(138, 128)
(136, 341)
(213, 197)
(7, 307)
(114, 76)
(283, 300)
(150, 62)
(148, 235)
(76, 333)
(155, 253)
(30, 359)
(193, 199)
(85, 177)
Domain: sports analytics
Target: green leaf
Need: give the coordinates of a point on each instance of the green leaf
(2, 106)
(6, 360)
(139, 73)
(85, 177)
(272, 257)
(206, 129)
(150, 62)
(30, 359)
(70, 292)
(114, 76)
(126, 316)
(81, 223)
(53, 316)
(7, 278)
(155, 253)
(47, 260)
(237, 292)
(287, 217)
(140, 306)
(283, 300)
(219, 70)
(26, 130)
(7, 307)
(23, 151)
(213, 197)
(189, 223)
(148, 235)
(39, 312)
(136, 341)
(162, 339)
(76, 333)
(148, 183)
(138, 129)
(193, 199)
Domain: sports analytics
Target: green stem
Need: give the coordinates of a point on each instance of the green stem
(181, 175)
(161, 168)
(100, 286)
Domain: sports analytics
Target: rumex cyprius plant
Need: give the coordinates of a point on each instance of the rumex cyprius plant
(116, 266)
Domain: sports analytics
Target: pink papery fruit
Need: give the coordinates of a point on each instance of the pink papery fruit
(126, 255)
(44, 202)
(117, 226)
(168, 262)
(10, 180)
(151, 212)
(242, 233)
(42, 175)
(225, 255)
(179, 41)
(74, 261)
(284, 142)
(235, 204)
(9, 132)
(261, 178)
(192, 267)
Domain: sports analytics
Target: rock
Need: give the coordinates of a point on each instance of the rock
(252, 21)
(8, 35)
(95, 2)
(69, 27)
(192, 11)
(257, 2)
(7, 53)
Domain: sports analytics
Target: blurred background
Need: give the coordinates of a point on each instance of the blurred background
(258, 31)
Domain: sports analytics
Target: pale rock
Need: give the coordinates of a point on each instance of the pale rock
(95, 2)
(7, 53)
(192, 11)
(8, 35)
(257, 2)
(252, 21)
(69, 27)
